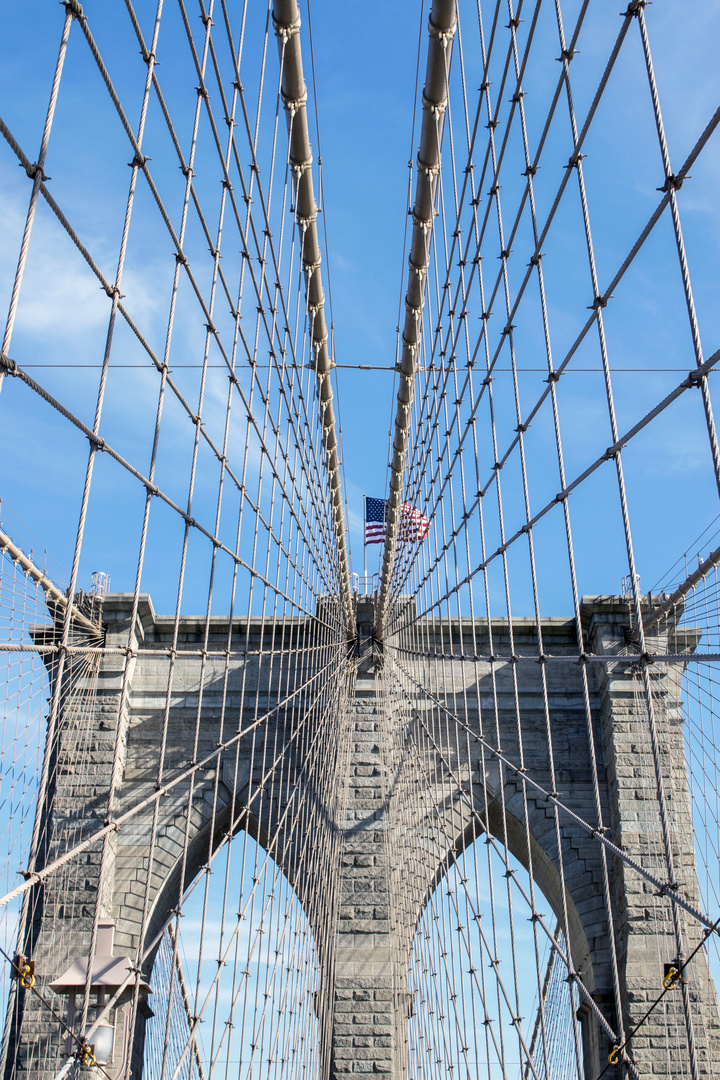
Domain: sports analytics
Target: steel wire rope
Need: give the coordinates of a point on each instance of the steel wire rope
(182, 565)
(569, 487)
(55, 703)
(36, 174)
(603, 81)
(515, 686)
(199, 706)
(158, 937)
(321, 191)
(664, 821)
(147, 482)
(448, 560)
(485, 94)
(670, 187)
(500, 757)
(502, 853)
(436, 938)
(408, 213)
(150, 799)
(268, 855)
(518, 98)
(249, 901)
(269, 773)
(80, 704)
(468, 172)
(493, 954)
(188, 175)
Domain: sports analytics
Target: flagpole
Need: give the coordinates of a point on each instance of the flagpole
(365, 543)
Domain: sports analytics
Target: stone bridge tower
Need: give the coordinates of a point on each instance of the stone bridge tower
(385, 862)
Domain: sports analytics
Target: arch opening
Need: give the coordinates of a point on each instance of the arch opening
(489, 986)
(236, 980)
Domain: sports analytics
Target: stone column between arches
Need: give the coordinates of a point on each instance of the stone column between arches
(365, 1026)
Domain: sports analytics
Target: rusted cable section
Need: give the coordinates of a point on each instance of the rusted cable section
(681, 592)
(441, 31)
(286, 20)
(53, 594)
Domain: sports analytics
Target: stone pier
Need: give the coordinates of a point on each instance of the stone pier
(364, 999)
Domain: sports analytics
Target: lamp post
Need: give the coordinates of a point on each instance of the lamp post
(108, 974)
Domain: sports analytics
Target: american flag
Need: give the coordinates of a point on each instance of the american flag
(375, 518)
(414, 526)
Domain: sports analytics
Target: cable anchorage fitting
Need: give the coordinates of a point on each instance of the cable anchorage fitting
(436, 107)
(443, 36)
(614, 1055)
(672, 976)
(24, 971)
(86, 1053)
(429, 170)
(425, 224)
(286, 31)
(300, 167)
(293, 105)
(673, 183)
(74, 8)
(33, 170)
(697, 374)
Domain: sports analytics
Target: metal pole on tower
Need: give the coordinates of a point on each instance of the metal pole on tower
(365, 588)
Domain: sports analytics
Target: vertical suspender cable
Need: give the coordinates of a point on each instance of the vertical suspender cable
(441, 30)
(286, 20)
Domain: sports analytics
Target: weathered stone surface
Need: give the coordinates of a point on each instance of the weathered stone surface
(365, 958)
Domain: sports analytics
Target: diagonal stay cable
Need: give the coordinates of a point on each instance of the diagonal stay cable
(474, 261)
(40, 875)
(14, 369)
(111, 291)
(692, 380)
(655, 217)
(620, 1047)
(459, 787)
(664, 888)
(478, 817)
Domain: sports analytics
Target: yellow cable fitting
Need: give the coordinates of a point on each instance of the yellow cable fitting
(672, 978)
(88, 1056)
(614, 1055)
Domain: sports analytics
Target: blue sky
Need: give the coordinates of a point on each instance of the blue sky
(365, 64)
(365, 70)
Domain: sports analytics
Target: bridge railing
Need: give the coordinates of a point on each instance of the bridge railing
(364, 585)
